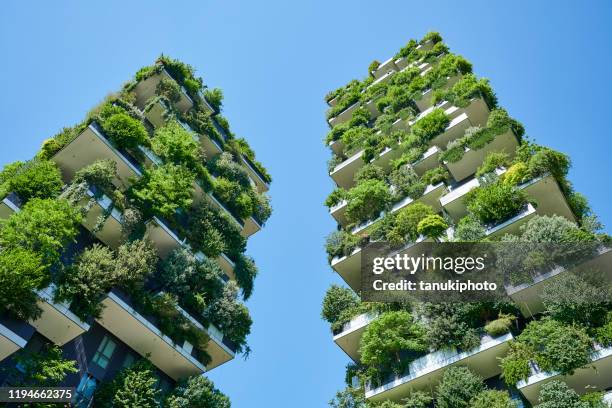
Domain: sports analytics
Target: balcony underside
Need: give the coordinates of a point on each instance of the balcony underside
(10, 342)
(350, 338)
(88, 147)
(111, 231)
(146, 89)
(345, 172)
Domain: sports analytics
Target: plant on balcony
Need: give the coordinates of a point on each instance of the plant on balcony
(417, 399)
(367, 200)
(183, 73)
(231, 317)
(373, 66)
(603, 334)
(552, 228)
(556, 394)
(98, 269)
(515, 365)
(245, 271)
(432, 226)
(432, 36)
(449, 326)
(33, 179)
(169, 89)
(500, 326)
(469, 229)
(21, 273)
(234, 197)
(336, 197)
(224, 166)
(213, 232)
(386, 338)
(435, 176)
(458, 387)
(464, 90)
(163, 190)
(406, 183)
(516, 174)
(493, 399)
(214, 98)
(133, 386)
(369, 172)
(355, 137)
(492, 161)
(43, 226)
(350, 397)
(100, 173)
(341, 243)
(402, 227)
(174, 144)
(430, 126)
(347, 97)
(337, 301)
(495, 202)
(44, 368)
(124, 131)
(196, 392)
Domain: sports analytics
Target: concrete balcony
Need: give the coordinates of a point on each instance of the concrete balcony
(343, 116)
(430, 197)
(349, 266)
(597, 376)
(428, 161)
(147, 89)
(141, 334)
(384, 68)
(92, 145)
(157, 112)
(344, 173)
(101, 208)
(14, 335)
(513, 225)
(426, 372)
(9, 205)
(528, 295)
(338, 211)
(261, 184)
(425, 101)
(349, 338)
(472, 159)
(57, 322)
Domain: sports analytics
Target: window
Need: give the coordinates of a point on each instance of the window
(128, 361)
(104, 352)
(85, 391)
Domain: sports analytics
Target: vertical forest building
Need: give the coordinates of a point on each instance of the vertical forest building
(122, 248)
(422, 151)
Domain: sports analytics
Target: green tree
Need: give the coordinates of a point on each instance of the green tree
(133, 387)
(495, 202)
(557, 394)
(45, 368)
(164, 189)
(405, 226)
(366, 200)
(36, 179)
(43, 226)
(386, 337)
(197, 392)
(458, 387)
(231, 317)
(348, 398)
(493, 399)
(173, 143)
(124, 130)
(336, 302)
(21, 273)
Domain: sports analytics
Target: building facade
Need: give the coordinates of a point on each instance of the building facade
(423, 152)
(156, 197)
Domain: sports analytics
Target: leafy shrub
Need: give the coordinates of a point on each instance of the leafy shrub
(469, 229)
(406, 223)
(458, 387)
(214, 233)
(197, 392)
(164, 189)
(493, 399)
(36, 179)
(548, 228)
(231, 317)
(516, 174)
(134, 386)
(417, 399)
(232, 195)
(21, 273)
(43, 226)
(366, 200)
(124, 131)
(546, 160)
(432, 226)
(386, 336)
(496, 202)
(262, 209)
(224, 166)
(336, 197)
(369, 172)
(432, 36)
(448, 327)
(173, 143)
(603, 334)
(373, 66)
(169, 89)
(44, 368)
(435, 176)
(430, 126)
(493, 161)
(500, 326)
(100, 173)
(464, 90)
(245, 271)
(336, 302)
(341, 243)
(214, 98)
(556, 394)
(406, 183)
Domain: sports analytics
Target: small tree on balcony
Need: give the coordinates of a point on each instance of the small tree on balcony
(231, 317)
(458, 387)
(336, 302)
(21, 273)
(556, 394)
(36, 179)
(197, 392)
(493, 399)
(134, 386)
(124, 130)
(367, 200)
(46, 368)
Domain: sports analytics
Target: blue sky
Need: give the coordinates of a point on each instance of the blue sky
(548, 61)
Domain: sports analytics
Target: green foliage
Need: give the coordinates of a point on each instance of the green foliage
(213, 232)
(214, 98)
(546, 160)
(234, 196)
(43, 226)
(405, 225)
(464, 90)
(493, 399)
(98, 269)
(556, 394)
(406, 183)
(432, 226)
(134, 386)
(387, 336)
(34, 179)
(231, 317)
(348, 398)
(373, 66)
(224, 166)
(430, 126)
(516, 174)
(366, 200)
(495, 202)
(169, 89)
(369, 172)
(435, 176)
(245, 271)
(458, 387)
(340, 243)
(336, 197)
(493, 161)
(164, 189)
(197, 392)
(337, 300)
(173, 143)
(469, 229)
(449, 327)
(124, 131)
(100, 173)
(500, 326)
(515, 365)
(432, 36)
(417, 399)
(548, 228)
(46, 368)
(603, 334)
(21, 272)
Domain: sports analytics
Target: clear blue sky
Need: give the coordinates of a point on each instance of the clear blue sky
(548, 61)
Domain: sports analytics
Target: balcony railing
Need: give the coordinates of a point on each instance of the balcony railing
(427, 371)
(596, 376)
